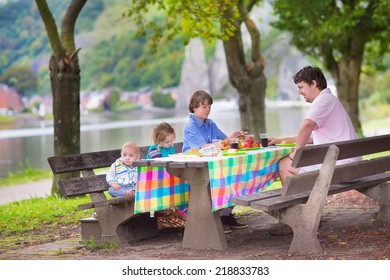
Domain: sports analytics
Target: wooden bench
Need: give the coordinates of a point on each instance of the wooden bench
(300, 202)
(115, 219)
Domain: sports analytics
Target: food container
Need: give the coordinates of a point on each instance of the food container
(210, 150)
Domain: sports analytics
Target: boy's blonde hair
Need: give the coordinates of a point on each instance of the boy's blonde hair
(161, 131)
(131, 145)
(198, 98)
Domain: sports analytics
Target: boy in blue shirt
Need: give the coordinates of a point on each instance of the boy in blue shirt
(199, 133)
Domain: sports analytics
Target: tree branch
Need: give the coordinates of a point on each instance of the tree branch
(68, 24)
(51, 28)
(251, 4)
(327, 53)
(257, 59)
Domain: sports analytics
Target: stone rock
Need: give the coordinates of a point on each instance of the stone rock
(218, 73)
(194, 73)
(289, 66)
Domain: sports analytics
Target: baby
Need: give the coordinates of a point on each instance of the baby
(122, 176)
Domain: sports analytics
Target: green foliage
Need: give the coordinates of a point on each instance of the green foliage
(374, 95)
(24, 35)
(93, 245)
(34, 213)
(25, 174)
(126, 64)
(188, 19)
(22, 78)
(328, 28)
(113, 99)
(90, 11)
(162, 100)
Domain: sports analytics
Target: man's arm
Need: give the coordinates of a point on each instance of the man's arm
(304, 135)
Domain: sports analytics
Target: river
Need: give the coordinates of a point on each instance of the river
(32, 142)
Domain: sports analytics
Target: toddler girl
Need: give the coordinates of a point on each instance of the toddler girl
(163, 136)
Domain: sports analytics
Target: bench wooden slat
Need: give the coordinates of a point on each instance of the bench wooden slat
(86, 206)
(343, 173)
(246, 200)
(114, 201)
(70, 163)
(93, 160)
(280, 202)
(83, 185)
(102, 203)
(348, 149)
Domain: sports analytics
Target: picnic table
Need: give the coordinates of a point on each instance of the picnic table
(206, 184)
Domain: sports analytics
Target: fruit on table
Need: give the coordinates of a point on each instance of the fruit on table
(256, 144)
(249, 142)
(247, 145)
(250, 139)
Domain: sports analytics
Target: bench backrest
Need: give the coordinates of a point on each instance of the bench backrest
(343, 173)
(93, 160)
(86, 163)
(315, 154)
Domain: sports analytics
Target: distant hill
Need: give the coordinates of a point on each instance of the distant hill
(110, 54)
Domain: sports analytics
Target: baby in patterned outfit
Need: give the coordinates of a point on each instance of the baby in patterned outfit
(122, 176)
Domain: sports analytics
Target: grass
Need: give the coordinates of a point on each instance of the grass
(34, 213)
(93, 245)
(25, 174)
(376, 125)
(39, 220)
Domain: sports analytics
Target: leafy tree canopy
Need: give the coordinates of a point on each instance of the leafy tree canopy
(326, 28)
(189, 19)
(21, 78)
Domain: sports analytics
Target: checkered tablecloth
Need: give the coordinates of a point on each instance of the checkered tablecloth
(229, 177)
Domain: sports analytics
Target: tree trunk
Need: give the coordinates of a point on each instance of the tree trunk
(65, 81)
(347, 90)
(346, 73)
(250, 82)
(65, 85)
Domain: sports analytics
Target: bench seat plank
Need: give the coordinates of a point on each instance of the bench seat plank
(246, 200)
(279, 202)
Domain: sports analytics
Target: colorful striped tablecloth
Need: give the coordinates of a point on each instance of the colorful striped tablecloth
(158, 190)
(230, 176)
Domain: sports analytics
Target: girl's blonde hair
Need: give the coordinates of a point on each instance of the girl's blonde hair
(131, 145)
(161, 131)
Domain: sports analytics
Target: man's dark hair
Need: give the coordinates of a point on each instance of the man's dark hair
(308, 74)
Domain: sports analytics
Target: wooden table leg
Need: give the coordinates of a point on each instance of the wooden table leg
(203, 228)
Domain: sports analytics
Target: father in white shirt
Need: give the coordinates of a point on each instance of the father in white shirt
(326, 122)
